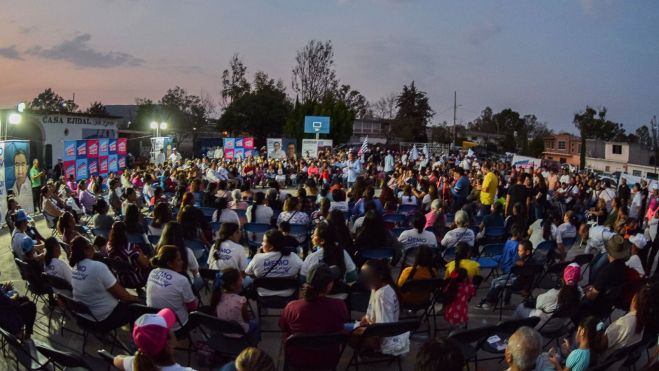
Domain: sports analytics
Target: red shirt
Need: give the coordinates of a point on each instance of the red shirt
(323, 315)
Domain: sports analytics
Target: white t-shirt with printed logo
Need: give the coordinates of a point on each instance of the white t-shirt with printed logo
(91, 281)
(411, 238)
(59, 269)
(229, 255)
(288, 266)
(317, 257)
(166, 288)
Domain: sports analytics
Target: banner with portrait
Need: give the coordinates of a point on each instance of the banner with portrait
(16, 159)
(274, 149)
(311, 147)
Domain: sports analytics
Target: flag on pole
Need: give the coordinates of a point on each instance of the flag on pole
(364, 147)
(414, 153)
(425, 151)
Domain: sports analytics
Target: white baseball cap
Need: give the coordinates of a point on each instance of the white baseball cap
(638, 240)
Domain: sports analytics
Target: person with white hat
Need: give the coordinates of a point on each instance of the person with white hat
(638, 243)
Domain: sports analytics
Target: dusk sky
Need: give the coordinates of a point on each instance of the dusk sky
(549, 58)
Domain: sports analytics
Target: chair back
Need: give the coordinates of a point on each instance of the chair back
(544, 250)
(22, 268)
(376, 254)
(74, 306)
(407, 209)
(583, 259)
(215, 324)
(492, 250)
(421, 289)
(509, 327)
(398, 231)
(315, 344)
(256, 227)
(474, 335)
(154, 240)
(391, 329)
(242, 213)
(57, 283)
(215, 227)
(207, 211)
(568, 242)
(23, 356)
(63, 359)
(277, 283)
(396, 219)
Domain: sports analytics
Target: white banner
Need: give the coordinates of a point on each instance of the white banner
(311, 147)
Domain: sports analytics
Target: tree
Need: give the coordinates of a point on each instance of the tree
(484, 122)
(234, 82)
(354, 100)
(342, 118)
(644, 137)
(592, 124)
(385, 107)
(96, 108)
(49, 101)
(261, 112)
(413, 114)
(314, 75)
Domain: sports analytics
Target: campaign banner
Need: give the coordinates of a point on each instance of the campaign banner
(122, 146)
(121, 162)
(92, 166)
(17, 170)
(69, 150)
(229, 143)
(113, 166)
(273, 148)
(81, 149)
(228, 153)
(239, 153)
(248, 143)
(239, 142)
(103, 165)
(112, 147)
(103, 147)
(69, 169)
(82, 171)
(311, 147)
(92, 148)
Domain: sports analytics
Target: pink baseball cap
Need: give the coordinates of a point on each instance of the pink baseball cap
(151, 331)
(571, 274)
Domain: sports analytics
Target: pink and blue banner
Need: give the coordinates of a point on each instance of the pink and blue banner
(82, 172)
(86, 158)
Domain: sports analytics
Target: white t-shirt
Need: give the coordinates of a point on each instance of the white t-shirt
(357, 224)
(634, 262)
(227, 216)
(383, 307)
(91, 281)
(317, 257)
(452, 237)
(536, 233)
(59, 269)
(565, 230)
(262, 215)
(193, 264)
(411, 238)
(229, 255)
(153, 231)
(168, 289)
(128, 366)
(339, 205)
(622, 333)
(288, 266)
(17, 244)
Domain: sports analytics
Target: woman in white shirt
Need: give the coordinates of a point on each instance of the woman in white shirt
(172, 234)
(461, 233)
(162, 215)
(96, 287)
(383, 307)
(53, 265)
(567, 230)
(168, 287)
(223, 214)
(227, 251)
(258, 212)
(291, 212)
(274, 260)
(417, 236)
(542, 230)
(328, 251)
(407, 198)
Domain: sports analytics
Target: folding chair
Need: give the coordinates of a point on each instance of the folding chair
(383, 253)
(407, 209)
(208, 275)
(227, 338)
(545, 251)
(252, 230)
(584, 261)
(88, 323)
(529, 273)
(396, 220)
(39, 289)
(557, 326)
(63, 360)
(59, 285)
(208, 212)
(427, 292)
(143, 241)
(22, 355)
(490, 258)
(199, 250)
(274, 301)
(470, 342)
(495, 234)
(552, 276)
(311, 344)
(362, 356)
(503, 330)
(398, 231)
(215, 227)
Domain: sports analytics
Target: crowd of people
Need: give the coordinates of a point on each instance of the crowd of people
(344, 224)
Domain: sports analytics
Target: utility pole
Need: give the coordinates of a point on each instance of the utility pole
(653, 127)
(455, 112)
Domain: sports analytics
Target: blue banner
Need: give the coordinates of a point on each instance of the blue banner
(82, 172)
(103, 147)
(113, 165)
(69, 150)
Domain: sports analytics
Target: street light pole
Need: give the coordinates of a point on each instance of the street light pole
(653, 124)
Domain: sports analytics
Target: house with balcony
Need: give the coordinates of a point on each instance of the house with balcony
(564, 148)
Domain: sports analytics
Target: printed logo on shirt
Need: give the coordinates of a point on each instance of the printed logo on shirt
(282, 266)
(79, 273)
(162, 279)
(225, 254)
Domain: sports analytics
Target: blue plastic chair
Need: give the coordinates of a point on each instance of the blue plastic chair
(208, 212)
(252, 229)
(544, 250)
(407, 209)
(495, 233)
(568, 242)
(242, 213)
(398, 231)
(215, 227)
(490, 258)
(449, 219)
(377, 254)
(199, 250)
(396, 219)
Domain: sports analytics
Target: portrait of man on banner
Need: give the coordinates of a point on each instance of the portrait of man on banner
(275, 151)
(16, 174)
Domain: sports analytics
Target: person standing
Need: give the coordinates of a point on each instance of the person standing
(58, 170)
(35, 176)
(354, 167)
(488, 188)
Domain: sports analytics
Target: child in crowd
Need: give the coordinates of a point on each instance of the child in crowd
(579, 358)
(230, 305)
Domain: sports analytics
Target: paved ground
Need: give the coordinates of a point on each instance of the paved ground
(270, 343)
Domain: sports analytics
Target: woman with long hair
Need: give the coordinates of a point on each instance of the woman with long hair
(374, 235)
(172, 234)
(291, 212)
(162, 215)
(421, 269)
(120, 249)
(223, 214)
(134, 220)
(259, 211)
(342, 235)
(227, 251)
(167, 288)
(330, 252)
(66, 226)
(95, 286)
(52, 263)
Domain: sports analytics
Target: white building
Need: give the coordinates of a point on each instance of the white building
(623, 157)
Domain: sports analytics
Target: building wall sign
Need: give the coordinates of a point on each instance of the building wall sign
(77, 120)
